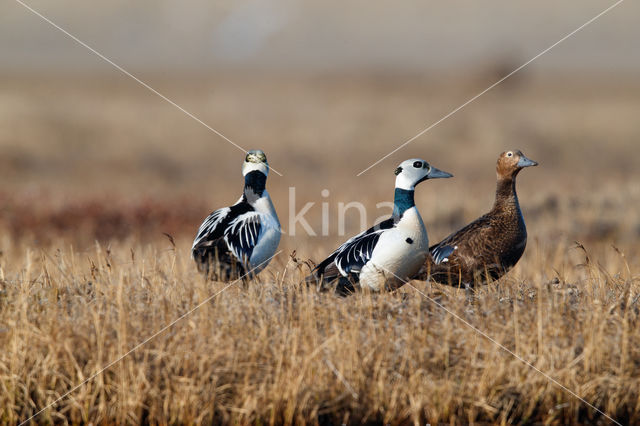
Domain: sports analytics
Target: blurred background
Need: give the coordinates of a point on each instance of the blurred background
(326, 89)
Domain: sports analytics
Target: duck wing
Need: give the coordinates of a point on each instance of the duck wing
(349, 259)
(232, 231)
(242, 234)
(212, 228)
(458, 256)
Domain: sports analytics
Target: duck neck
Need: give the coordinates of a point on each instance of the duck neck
(506, 197)
(402, 201)
(254, 185)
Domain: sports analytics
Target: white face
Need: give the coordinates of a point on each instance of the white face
(411, 172)
(255, 160)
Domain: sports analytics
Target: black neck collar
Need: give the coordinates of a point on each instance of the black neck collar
(254, 185)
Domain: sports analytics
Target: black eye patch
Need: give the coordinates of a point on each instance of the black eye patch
(398, 171)
(417, 164)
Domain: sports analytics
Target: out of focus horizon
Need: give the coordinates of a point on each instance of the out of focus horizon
(318, 37)
(325, 89)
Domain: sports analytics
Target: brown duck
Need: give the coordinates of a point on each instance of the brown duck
(488, 247)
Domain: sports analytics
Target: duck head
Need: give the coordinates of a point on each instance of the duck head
(411, 172)
(256, 160)
(511, 162)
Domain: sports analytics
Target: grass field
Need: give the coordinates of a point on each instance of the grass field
(94, 170)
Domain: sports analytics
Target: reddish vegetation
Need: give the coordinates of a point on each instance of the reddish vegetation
(98, 219)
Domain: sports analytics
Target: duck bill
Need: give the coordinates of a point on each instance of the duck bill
(438, 174)
(525, 162)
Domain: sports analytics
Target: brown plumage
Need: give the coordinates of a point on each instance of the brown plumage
(488, 247)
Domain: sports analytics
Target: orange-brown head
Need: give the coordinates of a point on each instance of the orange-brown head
(511, 162)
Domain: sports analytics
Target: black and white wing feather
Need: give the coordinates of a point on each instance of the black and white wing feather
(356, 252)
(209, 245)
(351, 256)
(441, 253)
(212, 228)
(237, 227)
(242, 234)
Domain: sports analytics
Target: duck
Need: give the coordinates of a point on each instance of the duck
(384, 256)
(239, 241)
(487, 248)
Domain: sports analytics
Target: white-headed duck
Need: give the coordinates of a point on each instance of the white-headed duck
(241, 239)
(388, 254)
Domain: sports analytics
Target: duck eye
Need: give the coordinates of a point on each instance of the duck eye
(398, 171)
(417, 164)
(509, 154)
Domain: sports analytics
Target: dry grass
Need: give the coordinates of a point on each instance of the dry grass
(274, 351)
